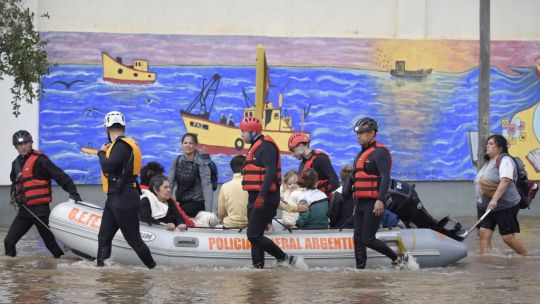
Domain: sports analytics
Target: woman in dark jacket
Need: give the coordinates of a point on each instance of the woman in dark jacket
(190, 175)
(157, 206)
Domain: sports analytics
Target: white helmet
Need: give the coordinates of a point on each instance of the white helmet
(114, 117)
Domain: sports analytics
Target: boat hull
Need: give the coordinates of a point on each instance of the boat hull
(77, 226)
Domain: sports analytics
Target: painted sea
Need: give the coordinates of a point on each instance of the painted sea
(424, 122)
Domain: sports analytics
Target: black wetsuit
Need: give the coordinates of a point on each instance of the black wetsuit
(258, 220)
(366, 223)
(44, 169)
(323, 166)
(121, 208)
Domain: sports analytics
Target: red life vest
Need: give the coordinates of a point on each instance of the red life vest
(30, 190)
(322, 184)
(253, 174)
(366, 185)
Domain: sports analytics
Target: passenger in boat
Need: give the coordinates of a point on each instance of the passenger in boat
(496, 190)
(223, 119)
(316, 217)
(120, 162)
(31, 174)
(232, 199)
(342, 209)
(371, 178)
(316, 159)
(289, 192)
(262, 178)
(148, 171)
(157, 206)
(190, 175)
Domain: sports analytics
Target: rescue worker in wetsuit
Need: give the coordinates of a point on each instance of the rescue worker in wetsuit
(31, 174)
(120, 162)
(315, 159)
(261, 179)
(371, 179)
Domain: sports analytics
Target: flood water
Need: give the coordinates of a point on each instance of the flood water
(501, 277)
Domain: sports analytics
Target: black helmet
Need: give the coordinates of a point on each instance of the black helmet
(366, 124)
(21, 137)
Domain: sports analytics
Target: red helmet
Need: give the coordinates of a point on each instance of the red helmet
(296, 139)
(250, 123)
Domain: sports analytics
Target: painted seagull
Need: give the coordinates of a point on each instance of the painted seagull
(67, 84)
(90, 111)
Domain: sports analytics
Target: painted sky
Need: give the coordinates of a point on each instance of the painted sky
(453, 56)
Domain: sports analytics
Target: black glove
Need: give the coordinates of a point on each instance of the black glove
(76, 197)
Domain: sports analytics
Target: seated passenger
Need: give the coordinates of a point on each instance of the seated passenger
(342, 209)
(316, 217)
(148, 171)
(157, 207)
(232, 199)
(289, 199)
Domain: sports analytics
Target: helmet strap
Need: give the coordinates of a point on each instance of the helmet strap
(252, 136)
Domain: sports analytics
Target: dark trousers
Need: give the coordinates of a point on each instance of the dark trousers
(20, 227)
(191, 208)
(125, 219)
(366, 225)
(258, 220)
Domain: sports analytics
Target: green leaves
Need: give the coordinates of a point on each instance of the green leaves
(22, 53)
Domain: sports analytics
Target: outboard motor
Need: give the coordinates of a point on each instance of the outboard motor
(403, 200)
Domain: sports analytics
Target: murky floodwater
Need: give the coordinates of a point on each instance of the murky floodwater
(501, 277)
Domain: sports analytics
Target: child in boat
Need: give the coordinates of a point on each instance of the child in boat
(316, 217)
(289, 199)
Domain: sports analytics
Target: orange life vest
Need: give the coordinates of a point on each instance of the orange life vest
(366, 185)
(253, 174)
(322, 184)
(30, 190)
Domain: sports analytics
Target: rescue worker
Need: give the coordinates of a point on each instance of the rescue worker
(261, 179)
(371, 179)
(120, 162)
(31, 174)
(315, 159)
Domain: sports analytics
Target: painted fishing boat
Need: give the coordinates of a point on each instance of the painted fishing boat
(223, 137)
(116, 72)
(400, 71)
(76, 225)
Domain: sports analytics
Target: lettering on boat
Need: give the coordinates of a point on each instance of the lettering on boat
(86, 218)
(285, 243)
(147, 236)
(198, 125)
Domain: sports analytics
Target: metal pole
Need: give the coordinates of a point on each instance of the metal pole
(483, 81)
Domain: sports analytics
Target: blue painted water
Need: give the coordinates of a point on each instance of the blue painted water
(423, 122)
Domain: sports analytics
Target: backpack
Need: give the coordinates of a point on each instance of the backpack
(211, 165)
(526, 189)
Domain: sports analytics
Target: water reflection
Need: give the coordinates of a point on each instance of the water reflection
(501, 277)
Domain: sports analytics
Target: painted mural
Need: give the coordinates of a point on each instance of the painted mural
(423, 93)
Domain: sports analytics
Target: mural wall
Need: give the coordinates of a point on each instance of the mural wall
(423, 93)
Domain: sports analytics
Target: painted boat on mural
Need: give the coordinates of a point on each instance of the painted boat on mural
(76, 225)
(400, 71)
(116, 72)
(223, 137)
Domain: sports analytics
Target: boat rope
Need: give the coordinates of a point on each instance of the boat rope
(37, 218)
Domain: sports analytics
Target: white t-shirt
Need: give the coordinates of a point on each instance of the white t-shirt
(506, 168)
